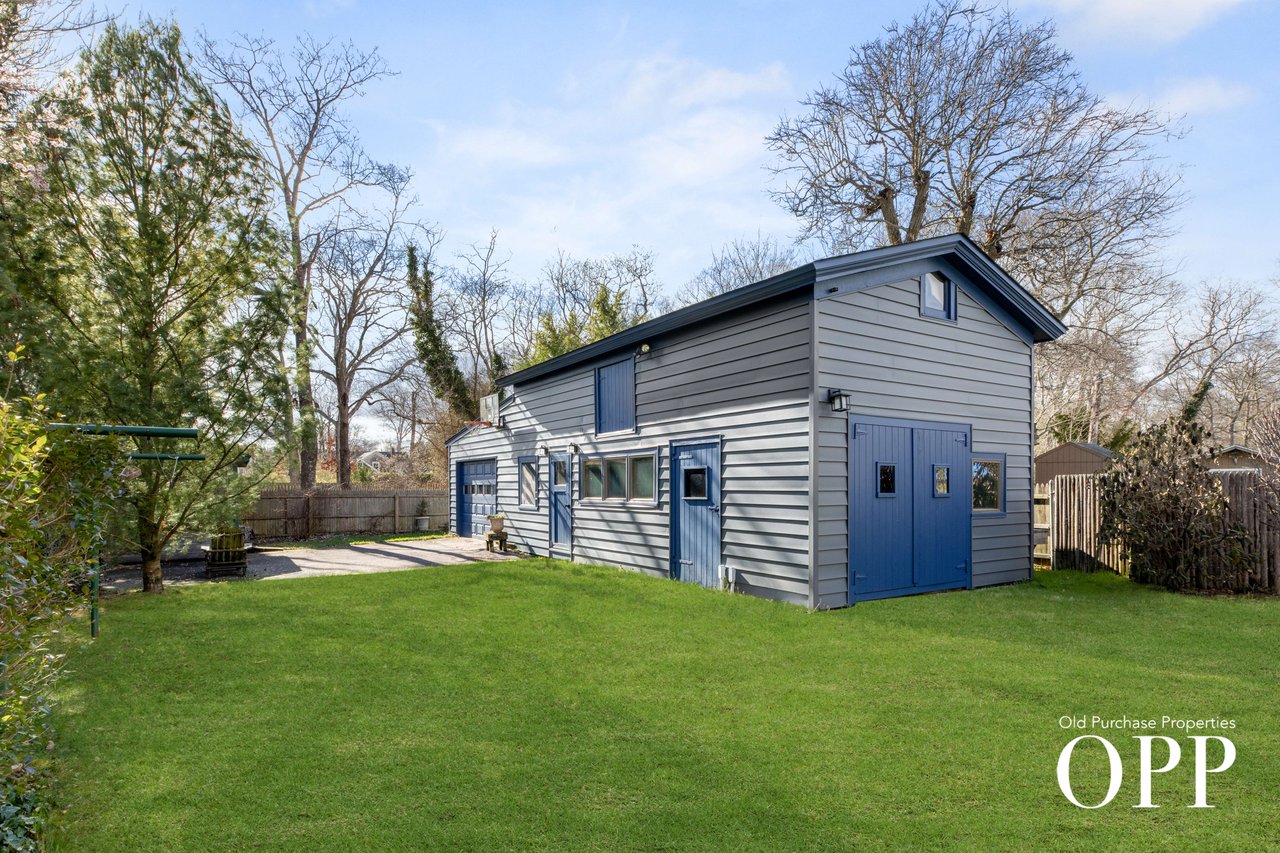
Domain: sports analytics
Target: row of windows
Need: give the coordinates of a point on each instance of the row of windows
(610, 478)
(634, 478)
(620, 478)
(477, 488)
(988, 482)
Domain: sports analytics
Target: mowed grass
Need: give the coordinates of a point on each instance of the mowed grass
(541, 705)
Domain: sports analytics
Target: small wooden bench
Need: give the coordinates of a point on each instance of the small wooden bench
(225, 555)
(495, 536)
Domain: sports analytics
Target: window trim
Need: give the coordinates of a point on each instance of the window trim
(894, 493)
(631, 430)
(933, 485)
(949, 313)
(1001, 458)
(522, 461)
(587, 458)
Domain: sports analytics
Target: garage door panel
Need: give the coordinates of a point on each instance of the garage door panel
(477, 495)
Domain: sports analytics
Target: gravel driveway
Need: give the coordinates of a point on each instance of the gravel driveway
(318, 562)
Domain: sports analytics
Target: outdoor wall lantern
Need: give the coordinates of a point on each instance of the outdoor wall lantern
(574, 449)
(838, 399)
(544, 450)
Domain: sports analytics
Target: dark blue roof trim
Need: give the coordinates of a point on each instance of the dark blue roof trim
(796, 279)
(1006, 292)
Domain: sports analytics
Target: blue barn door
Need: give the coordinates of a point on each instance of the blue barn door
(560, 485)
(477, 496)
(943, 508)
(909, 508)
(695, 513)
(881, 548)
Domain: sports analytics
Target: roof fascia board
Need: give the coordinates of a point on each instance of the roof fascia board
(912, 271)
(708, 309)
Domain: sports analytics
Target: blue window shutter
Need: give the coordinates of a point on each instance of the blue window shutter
(616, 396)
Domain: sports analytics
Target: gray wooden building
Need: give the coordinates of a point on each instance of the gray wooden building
(1074, 457)
(856, 428)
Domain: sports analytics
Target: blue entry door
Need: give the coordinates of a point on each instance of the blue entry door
(909, 508)
(560, 524)
(943, 508)
(695, 513)
(477, 496)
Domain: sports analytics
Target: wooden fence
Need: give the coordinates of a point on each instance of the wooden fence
(1075, 517)
(327, 511)
(1074, 520)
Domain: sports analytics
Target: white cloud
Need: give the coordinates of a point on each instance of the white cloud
(1192, 96)
(663, 152)
(1142, 20)
(1204, 95)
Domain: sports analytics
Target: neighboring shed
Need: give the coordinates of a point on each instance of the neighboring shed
(1074, 457)
(1235, 457)
(856, 428)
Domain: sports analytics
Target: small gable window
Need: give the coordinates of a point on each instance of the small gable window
(616, 397)
(937, 296)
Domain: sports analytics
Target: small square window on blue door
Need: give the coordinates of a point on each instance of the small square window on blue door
(942, 481)
(886, 479)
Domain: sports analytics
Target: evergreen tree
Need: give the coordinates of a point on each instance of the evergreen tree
(437, 358)
(163, 306)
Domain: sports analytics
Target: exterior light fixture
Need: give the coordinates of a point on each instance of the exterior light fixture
(574, 449)
(838, 399)
(644, 349)
(544, 450)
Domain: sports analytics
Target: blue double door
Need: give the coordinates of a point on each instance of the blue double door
(477, 496)
(695, 513)
(910, 504)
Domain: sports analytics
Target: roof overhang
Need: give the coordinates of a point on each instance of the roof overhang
(796, 279)
(999, 286)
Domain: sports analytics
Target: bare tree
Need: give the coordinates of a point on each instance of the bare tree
(31, 49)
(965, 120)
(1226, 321)
(293, 103)
(361, 311)
(402, 405)
(737, 264)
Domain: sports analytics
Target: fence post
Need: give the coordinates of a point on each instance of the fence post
(395, 503)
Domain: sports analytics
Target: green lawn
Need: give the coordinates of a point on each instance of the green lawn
(535, 704)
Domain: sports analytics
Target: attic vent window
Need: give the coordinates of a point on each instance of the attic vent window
(937, 297)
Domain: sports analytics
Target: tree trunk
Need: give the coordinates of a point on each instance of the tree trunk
(308, 450)
(343, 439)
(1095, 409)
(151, 544)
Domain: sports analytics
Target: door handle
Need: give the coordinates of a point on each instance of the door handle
(714, 508)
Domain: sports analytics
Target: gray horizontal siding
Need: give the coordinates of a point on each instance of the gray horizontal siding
(744, 378)
(875, 345)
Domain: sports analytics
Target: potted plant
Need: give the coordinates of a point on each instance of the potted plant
(497, 521)
(422, 521)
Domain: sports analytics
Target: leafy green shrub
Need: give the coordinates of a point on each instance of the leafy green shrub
(1168, 512)
(56, 491)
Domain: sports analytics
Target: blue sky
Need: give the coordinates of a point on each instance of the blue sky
(592, 127)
